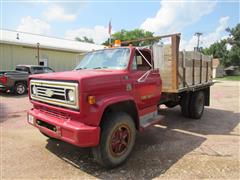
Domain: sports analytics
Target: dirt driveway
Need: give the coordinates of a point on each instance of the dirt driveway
(176, 148)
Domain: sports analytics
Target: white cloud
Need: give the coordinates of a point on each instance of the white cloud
(57, 13)
(99, 34)
(36, 26)
(174, 16)
(207, 39)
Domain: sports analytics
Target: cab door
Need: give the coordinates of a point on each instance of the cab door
(146, 80)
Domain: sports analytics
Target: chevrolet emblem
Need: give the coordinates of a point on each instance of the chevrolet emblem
(49, 93)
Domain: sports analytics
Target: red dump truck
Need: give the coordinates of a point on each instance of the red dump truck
(115, 92)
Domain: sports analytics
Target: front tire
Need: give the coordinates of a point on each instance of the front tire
(118, 135)
(20, 88)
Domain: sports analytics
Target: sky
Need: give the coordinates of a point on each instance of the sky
(70, 19)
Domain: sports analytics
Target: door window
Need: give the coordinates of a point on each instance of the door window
(139, 63)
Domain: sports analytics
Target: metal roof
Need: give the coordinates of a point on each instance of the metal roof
(31, 40)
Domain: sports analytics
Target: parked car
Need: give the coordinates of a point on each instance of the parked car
(16, 81)
(33, 69)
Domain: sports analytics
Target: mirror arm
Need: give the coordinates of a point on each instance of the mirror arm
(144, 76)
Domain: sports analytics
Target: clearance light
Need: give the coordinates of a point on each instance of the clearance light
(91, 99)
(117, 43)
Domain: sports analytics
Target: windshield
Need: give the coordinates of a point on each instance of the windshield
(105, 59)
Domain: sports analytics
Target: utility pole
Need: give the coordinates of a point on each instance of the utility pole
(198, 34)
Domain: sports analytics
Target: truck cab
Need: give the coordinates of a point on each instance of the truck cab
(79, 106)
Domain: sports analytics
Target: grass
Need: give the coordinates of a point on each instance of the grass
(229, 78)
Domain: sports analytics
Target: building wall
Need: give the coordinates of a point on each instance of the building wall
(12, 55)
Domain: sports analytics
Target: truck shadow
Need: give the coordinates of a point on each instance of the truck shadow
(12, 95)
(157, 148)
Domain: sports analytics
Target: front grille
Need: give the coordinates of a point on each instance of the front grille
(54, 92)
(58, 93)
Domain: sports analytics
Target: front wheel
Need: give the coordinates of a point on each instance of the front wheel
(20, 88)
(118, 135)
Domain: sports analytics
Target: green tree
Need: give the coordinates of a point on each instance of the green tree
(219, 49)
(234, 41)
(85, 39)
(125, 35)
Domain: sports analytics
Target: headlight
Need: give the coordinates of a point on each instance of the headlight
(71, 95)
(34, 90)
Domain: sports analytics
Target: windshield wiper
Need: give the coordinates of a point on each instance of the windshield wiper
(80, 68)
(100, 67)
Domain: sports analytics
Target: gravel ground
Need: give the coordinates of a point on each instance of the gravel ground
(176, 148)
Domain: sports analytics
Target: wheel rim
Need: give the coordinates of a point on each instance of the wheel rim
(20, 89)
(120, 140)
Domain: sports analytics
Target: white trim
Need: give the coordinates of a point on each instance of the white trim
(31, 40)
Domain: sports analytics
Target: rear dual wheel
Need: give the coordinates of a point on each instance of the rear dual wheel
(192, 104)
(118, 134)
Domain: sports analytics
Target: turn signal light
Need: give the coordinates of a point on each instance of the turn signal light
(117, 43)
(91, 99)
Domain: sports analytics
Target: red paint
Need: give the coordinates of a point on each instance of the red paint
(81, 127)
(69, 130)
(3, 79)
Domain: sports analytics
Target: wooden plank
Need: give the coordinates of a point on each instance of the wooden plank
(211, 68)
(193, 71)
(175, 49)
(150, 38)
(180, 70)
(184, 69)
(201, 69)
(207, 72)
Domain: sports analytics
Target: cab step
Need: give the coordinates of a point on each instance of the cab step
(150, 119)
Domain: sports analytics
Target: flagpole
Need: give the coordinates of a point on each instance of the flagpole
(110, 39)
(110, 31)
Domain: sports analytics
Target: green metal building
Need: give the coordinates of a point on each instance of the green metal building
(25, 48)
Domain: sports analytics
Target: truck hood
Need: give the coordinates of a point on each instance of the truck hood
(77, 75)
(95, 81)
